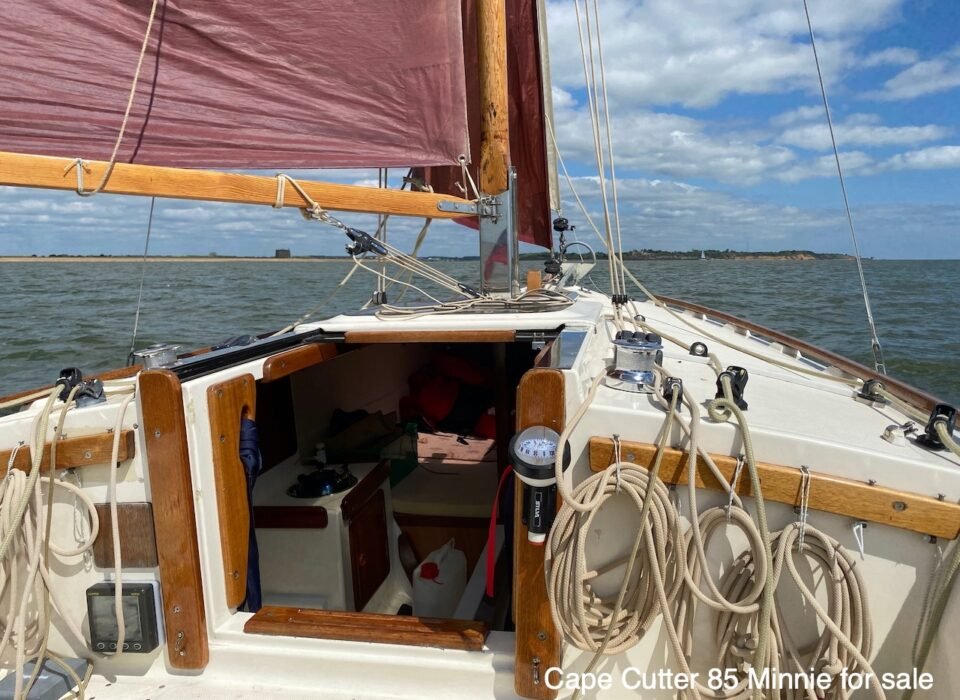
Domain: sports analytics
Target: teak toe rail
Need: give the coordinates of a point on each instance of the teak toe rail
(830, 494)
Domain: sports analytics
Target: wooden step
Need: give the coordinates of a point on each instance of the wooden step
(368, 627)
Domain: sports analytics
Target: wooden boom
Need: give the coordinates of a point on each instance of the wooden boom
(19, 170)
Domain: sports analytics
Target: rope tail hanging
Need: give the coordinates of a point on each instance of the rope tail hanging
(78, 163)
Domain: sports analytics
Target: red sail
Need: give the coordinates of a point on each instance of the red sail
(528, 137)
(236, 84)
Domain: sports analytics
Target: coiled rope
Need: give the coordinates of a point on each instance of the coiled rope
(26, 546)
(667, 570)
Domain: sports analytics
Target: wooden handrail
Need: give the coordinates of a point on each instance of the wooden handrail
(832, 494)
(80, 451)
(21, 170)
(920, 399)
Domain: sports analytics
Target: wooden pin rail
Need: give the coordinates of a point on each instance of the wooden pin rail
(80, 451)
(20, 170)
(831, 494)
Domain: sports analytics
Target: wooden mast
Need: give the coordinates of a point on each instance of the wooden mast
(494, 99)
(21, 170)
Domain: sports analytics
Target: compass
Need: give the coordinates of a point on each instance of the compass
(534, 452)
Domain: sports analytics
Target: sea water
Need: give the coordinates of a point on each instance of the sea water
(68, 314)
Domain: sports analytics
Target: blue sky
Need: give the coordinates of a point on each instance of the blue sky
(719, 134)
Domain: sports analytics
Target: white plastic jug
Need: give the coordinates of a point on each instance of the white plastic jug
(439, 582)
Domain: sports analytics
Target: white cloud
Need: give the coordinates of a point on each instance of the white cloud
(934, 157)
(860, 132)
(922, 78)
(893, 56)
(672, 215)
(799, 114)
(852, 162)
(672, 145)
(695, 53)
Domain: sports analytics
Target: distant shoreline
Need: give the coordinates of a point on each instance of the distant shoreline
(629, 256)
(162, 259)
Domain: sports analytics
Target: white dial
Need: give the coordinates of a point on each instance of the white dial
(537, 446)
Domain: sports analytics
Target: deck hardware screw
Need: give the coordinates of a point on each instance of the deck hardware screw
(541, 635)
(176, 609)
(236, 574)
(223, 438)
(219, 393)
(930, 539)
(156, 433)
(899, 506)
(179, 645)
(871, 482)
(88, 454)
(631, 456)
(136, 425)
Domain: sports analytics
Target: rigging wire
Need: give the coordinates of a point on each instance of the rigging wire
(878, 362)
(855, 382)
(610, 158)
(586, 50)
(143, 274)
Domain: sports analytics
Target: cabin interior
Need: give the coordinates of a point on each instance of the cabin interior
(373, 459)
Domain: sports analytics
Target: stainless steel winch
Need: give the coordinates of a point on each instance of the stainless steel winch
(636, 355)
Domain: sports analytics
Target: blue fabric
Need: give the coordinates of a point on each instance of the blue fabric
(252, 466)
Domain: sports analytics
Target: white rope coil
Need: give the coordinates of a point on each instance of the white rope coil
(589, 620)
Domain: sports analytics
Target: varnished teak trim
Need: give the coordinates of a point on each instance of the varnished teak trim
(138, 541)
(368, 627)
(286, 363)
(21, 170)
(171, 487)
(364, 489)
(540, 401)
(80, 451)
(228, 402)
(831, 494)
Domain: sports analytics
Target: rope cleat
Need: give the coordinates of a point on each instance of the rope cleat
(868, 392)
(941, 413)
(738, 382)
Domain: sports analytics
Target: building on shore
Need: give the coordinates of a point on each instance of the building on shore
(282, 253)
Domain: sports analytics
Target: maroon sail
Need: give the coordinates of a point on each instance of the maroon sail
(238, 84)
(528, 137)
